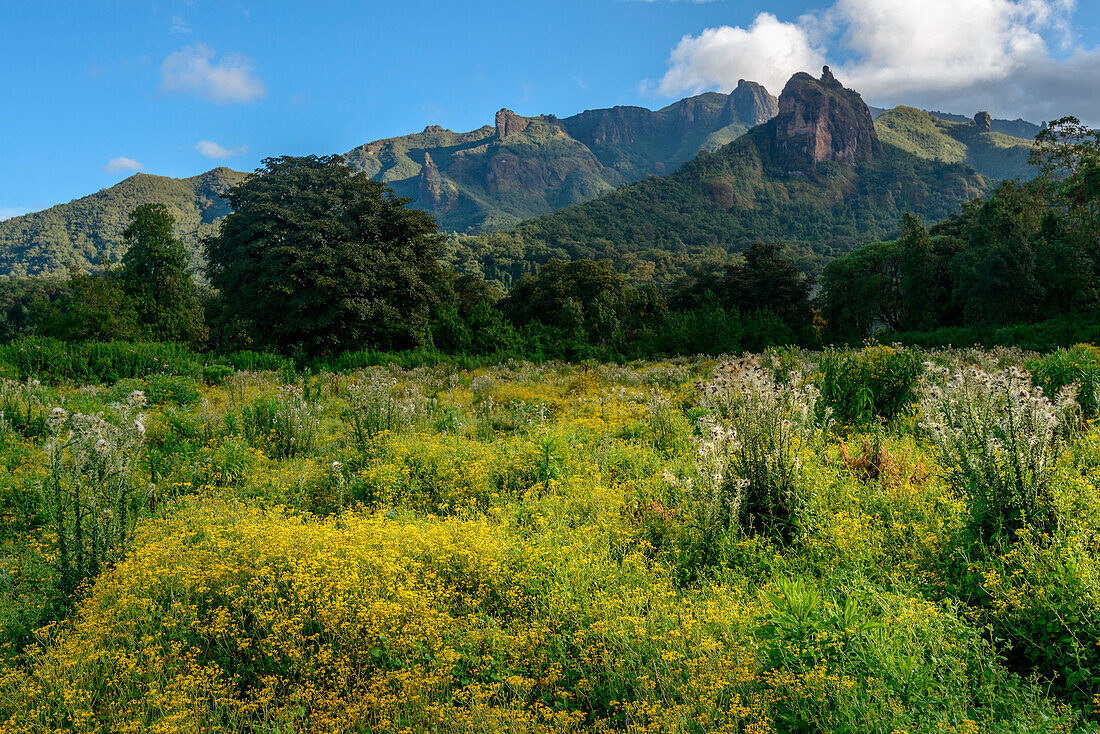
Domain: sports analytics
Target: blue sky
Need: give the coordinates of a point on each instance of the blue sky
(96, 91)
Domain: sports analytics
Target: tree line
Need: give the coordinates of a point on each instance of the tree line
(316, 259)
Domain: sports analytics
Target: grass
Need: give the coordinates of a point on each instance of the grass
(526, 548)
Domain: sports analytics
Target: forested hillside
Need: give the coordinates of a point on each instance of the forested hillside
(760, 188)
(88, 231)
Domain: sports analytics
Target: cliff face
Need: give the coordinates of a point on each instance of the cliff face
(433, 190)
(819, 120)
(520, 167)
(751, 104)
(984, 122)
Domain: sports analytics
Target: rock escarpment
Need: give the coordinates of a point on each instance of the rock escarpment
(984, 122)
(751, 104)
(819, 120)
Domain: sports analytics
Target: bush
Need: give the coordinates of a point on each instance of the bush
(380, 403)
(1079, 364)
(999, 439)
(283, 426)
(874, 382)
(89, 493)
(748, 458)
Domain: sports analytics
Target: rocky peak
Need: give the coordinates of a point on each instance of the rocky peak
(984, 122)
(819, 120)
(433, 191)
(509, 123)
(751, 104)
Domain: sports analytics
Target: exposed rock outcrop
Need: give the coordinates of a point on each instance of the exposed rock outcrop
(984, 122)
(751, 104)
(433, 190)
(819, 120)
(509, 123)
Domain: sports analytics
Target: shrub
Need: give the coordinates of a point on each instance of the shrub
(874, 382)
(1081, 365)
(378, 402)
(89, 493)
(23, 407)
(283, 426)
(998, 438)
(748, 458)
(161, 390)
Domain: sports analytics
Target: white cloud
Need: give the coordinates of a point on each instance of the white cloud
(117, 165)
(768, 51)
(193, 69)
(956, 55)
(179, 25)
(7, 212)
(210, 149)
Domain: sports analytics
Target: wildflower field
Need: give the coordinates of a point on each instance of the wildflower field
(875, 540)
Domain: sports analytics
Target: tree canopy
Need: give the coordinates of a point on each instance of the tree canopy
(318, 258)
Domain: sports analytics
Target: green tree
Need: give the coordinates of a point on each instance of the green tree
(769, 282)
(96, 309)
(318, 258)
(157, 279)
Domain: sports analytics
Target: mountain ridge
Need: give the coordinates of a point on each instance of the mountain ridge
(519, 167)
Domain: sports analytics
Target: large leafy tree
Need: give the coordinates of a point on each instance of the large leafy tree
(157, 279)
(317, 258)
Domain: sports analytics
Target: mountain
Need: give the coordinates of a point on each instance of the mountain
(493, 178)
(977, 143)
(88, 230)
(817, 178)
(520, 167)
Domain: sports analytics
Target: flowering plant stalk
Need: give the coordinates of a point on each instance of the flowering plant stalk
(999, 438)
(89, 489)
(748, 458)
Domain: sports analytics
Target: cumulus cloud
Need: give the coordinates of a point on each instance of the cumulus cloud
(768, 51)
(210, 149)
(120, 164)
(1011, 57)
(194, 69)
(7, 212)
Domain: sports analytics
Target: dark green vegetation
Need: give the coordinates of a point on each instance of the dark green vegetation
(1028, 253)
(317, 259)
(87, 232)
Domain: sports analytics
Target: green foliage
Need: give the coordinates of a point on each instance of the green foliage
(317, 259)
(1079, 365)
(52, 360)
(1014, 258)
(874, 383)
(156, 278)
(87, 232)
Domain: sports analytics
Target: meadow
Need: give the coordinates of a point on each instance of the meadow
(873, 540)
